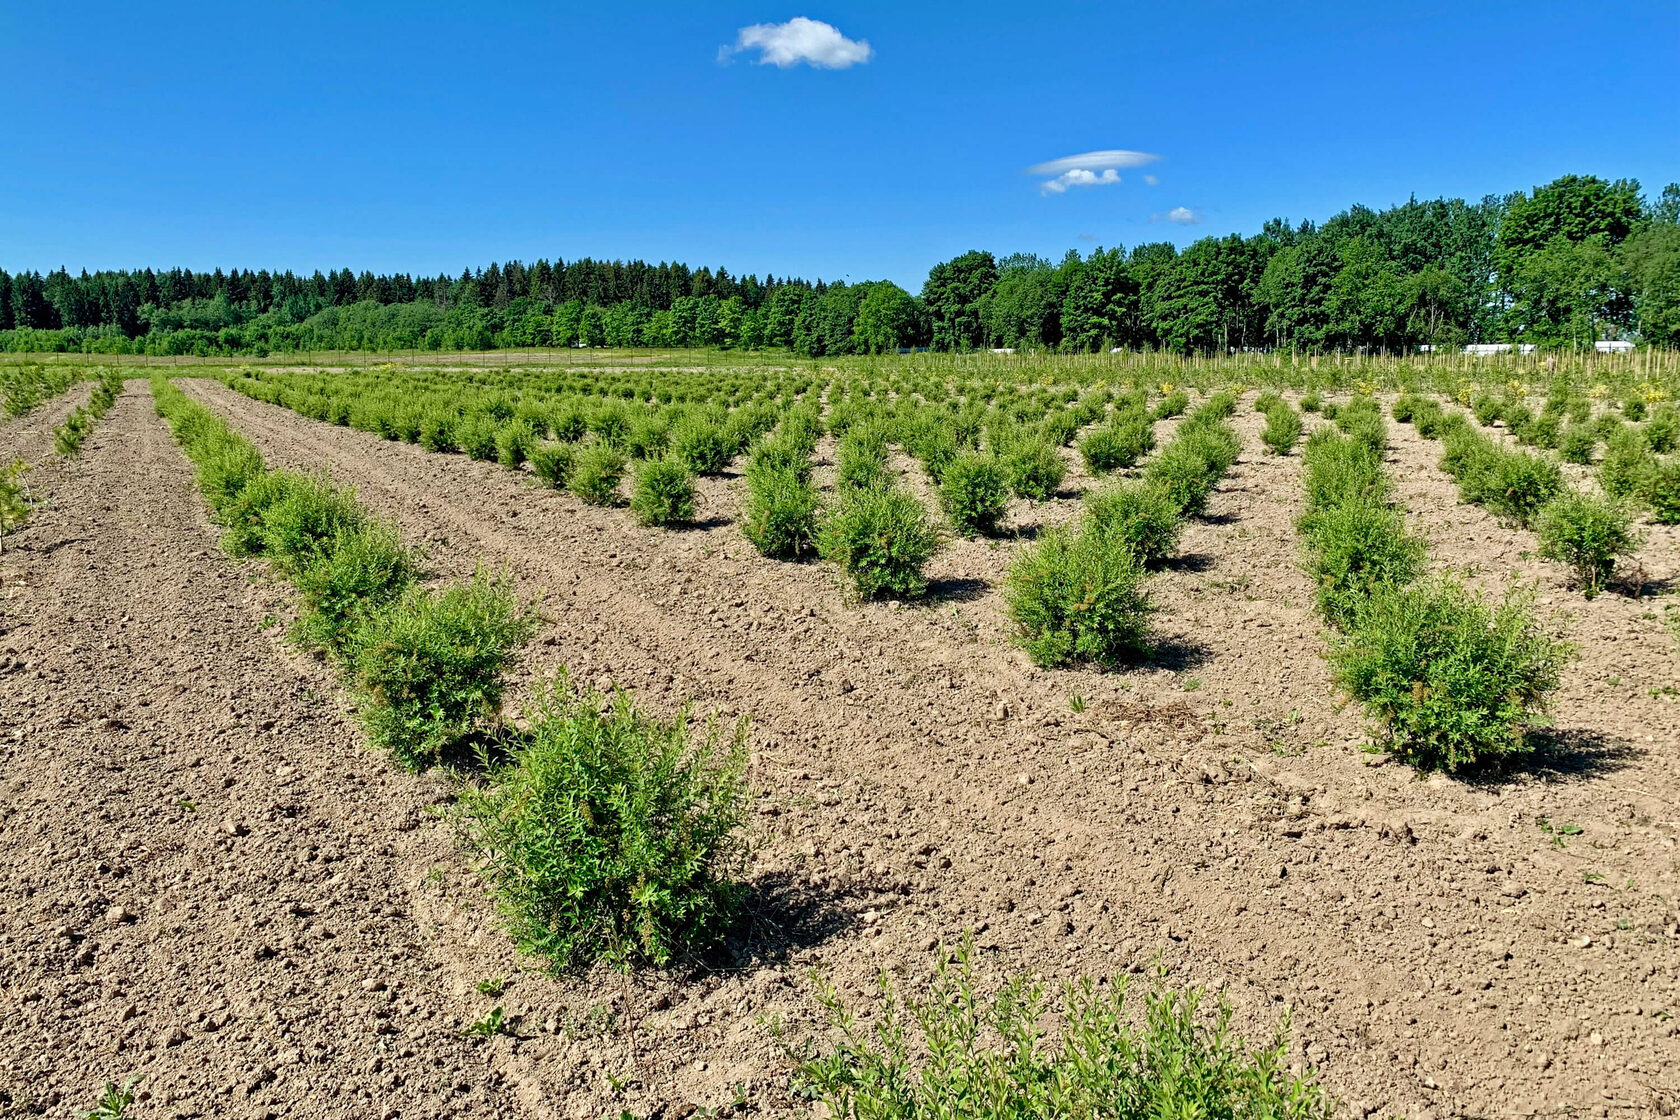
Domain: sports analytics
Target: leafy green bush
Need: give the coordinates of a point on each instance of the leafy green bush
(1312, 402)
(1511, 484)
(649, 437)
(1487, 409)
(1120, 443)
(778, 454)
(596, 471)
(1626, 463)
(1035, 469)
(1283, 428)
(975, 492)
(1078, 596)
(514, 443)
(1633, 406)
(244, 511)
(610, 834)
(1662, 431)
(704, 446)
(552, 464)
(1340, 469)
(429, 667)
(1355, 547)
(1267, 400)
(477, 436)
(568, 423)
(15, 500)
(1189, 467)
(959, 1056)
(1429, 418)
(1660, 489)
(1139, 515)
(306, 520)
(862, 458)
(1451, 681)
(880, 537)
(1404, 409)
(1588, 533)
(663, 492)
(1173, 404)
(1577, 444)
(437, 431)
(362, 571)
(781, 515)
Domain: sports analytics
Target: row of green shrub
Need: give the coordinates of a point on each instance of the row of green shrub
(25, 387)
(1585, 531)
(603, 833)
(69, 436)
(1451, 681)
(1076, 594)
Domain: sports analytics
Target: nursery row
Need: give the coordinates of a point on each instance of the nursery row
(24, 387)
(69, 436)
(603, 833)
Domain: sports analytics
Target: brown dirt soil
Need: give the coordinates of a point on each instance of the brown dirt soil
(30, 437)
(917, 778)
(203, 871)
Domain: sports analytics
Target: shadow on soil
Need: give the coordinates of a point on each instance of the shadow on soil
(783, 913)
(1177, 654)
(1562, 755)
(1189, 562)
(963, 589)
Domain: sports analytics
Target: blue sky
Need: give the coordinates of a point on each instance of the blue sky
(424, 137)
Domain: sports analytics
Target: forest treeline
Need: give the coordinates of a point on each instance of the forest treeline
(1577, 260)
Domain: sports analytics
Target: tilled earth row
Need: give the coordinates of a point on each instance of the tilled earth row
(1503, 946)
(201, 869)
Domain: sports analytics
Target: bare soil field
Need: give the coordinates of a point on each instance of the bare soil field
(307, 939)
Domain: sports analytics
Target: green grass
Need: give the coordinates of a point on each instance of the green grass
(611, 835)
(1028, 1052)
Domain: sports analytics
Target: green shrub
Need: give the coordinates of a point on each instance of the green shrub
(1173, 404)
(1577, 444)
(1059, 428)
(781, 515)
(1139, 515)
(1356, 546)
(1451, 681)
(663, 492)
(1633, 407)
(1662, 431)
(880, 537)
(779, 454)
(1522, 483)
(437, 431)
(1626, 463)
(69, 436)
(429, 667)
(1035, 469)
(975, 492)
(1193, 463)
(568, 423)
(1487, 409)
(1120, 443)
(610, 834)
(1539, 431)
(514, 443)
(362, 571)
(1429, 418)
(552, 464)
(306, 520)
(596, 471)
(1660, 489)
(1340, 470)
(1313, 402)
(477, 436)
(1267, 400)
(15, 501)
(1019, 1055)
(1283, 428)
(704, 446)
(611, 425)
(1587, 533)
(649, 438)
(1078, 596)
(1404, 409)
(243, 513)
(862, 458)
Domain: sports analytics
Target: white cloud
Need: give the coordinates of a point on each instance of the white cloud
(1078, 177)
(1088, 169)
(810, 41)
(1178, 215)
(1151, 180)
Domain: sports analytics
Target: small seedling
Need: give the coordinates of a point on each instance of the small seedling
(488, 1027)
(1557, 832)
(113, 1103)
(1592, 877)
(493, 986)
(1192, 684)
(1076, 702)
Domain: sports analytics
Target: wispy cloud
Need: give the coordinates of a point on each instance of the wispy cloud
(810, 41)
(1088, 169)
(1151, 180)
(1178, 215)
